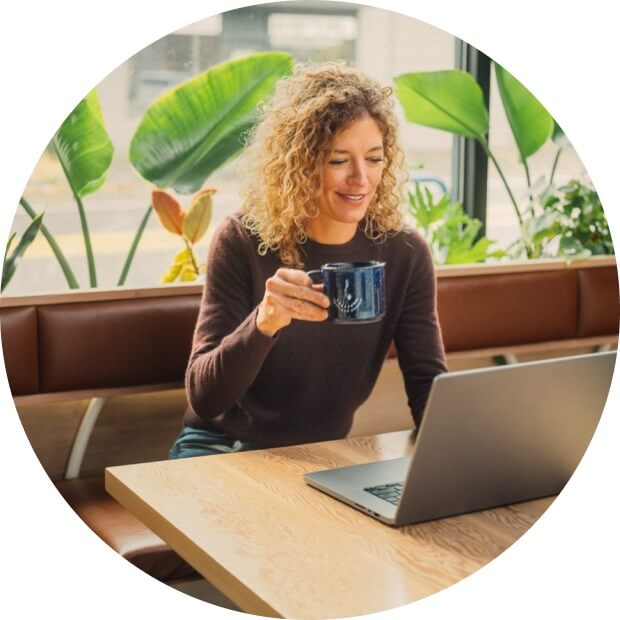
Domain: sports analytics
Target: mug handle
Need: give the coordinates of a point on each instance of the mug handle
(316, 275)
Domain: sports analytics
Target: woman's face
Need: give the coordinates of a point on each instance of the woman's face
(351, 174)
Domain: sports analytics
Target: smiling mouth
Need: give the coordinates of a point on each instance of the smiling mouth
(353, 198)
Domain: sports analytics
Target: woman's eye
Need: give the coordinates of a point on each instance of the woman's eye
(336, 162)
(376, 160)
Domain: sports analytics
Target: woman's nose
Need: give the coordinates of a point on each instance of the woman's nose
(357, 173)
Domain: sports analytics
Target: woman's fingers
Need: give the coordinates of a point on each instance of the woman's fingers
(290, 294)
(298, 308)
(297, 285)
(295, 276)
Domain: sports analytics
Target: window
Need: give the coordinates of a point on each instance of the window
(381, 43)
(502, 223)
(291, 30)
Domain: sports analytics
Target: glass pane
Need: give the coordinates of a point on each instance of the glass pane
(381, 43)
(502, 222)
(289, 30)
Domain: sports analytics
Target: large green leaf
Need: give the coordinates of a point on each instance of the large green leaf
(196, 127)
(558, 136)
(83, 146)
(449, 100)
(530, 122)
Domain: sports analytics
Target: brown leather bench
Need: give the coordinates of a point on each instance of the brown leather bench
(136, 341)
(116, 345)
(121, 530)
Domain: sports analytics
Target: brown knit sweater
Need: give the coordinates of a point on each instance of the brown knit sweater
(305, 383)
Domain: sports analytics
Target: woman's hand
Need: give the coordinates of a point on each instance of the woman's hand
(290, 294)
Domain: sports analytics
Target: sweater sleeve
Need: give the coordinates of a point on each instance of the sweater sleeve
(228, 350)
(418, 338)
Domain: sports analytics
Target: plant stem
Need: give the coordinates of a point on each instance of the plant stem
(60, 257)
(555, 164)
(134, 246)
(83, 222)
(8, 245)
(191, 254)
(528, 179)
(503, 178)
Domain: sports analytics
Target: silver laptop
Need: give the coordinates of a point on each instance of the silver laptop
(489, 437)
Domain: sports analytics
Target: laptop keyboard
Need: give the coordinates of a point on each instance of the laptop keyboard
(389, 492)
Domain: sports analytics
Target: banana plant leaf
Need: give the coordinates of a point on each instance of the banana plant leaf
(448, 100)
(84, 147)
(529, 121)
(558, 136)
(196, 127)
(10, 262)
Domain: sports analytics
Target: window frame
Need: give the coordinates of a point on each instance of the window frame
(469, 161)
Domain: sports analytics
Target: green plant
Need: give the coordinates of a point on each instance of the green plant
(9, 264)
(192, 130)
(195, 128)
(183, 137)
(571, 223)
(451, 234)
(85, 153)
(453, 101)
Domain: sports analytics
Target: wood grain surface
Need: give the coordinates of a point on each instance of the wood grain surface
(278, 547)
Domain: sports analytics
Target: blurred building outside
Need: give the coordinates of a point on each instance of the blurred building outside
(381, 43)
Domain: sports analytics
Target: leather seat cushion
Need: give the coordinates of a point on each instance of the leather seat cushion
(122, 531)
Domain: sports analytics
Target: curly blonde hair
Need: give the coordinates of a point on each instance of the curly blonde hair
(289, 144)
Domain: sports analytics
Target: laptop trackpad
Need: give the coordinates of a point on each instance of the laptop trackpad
(348, 483)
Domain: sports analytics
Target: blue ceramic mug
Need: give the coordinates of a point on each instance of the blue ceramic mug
(356, 290)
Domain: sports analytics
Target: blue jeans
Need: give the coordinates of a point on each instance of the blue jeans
(198, 442)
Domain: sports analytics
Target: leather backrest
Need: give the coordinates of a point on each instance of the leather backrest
(115, 343)
(478, 312)
(598, 302)
(18, 327)
(144, 341)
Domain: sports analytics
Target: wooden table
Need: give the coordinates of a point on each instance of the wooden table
(278, 547)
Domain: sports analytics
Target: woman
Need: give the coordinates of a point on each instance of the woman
(323, 176)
